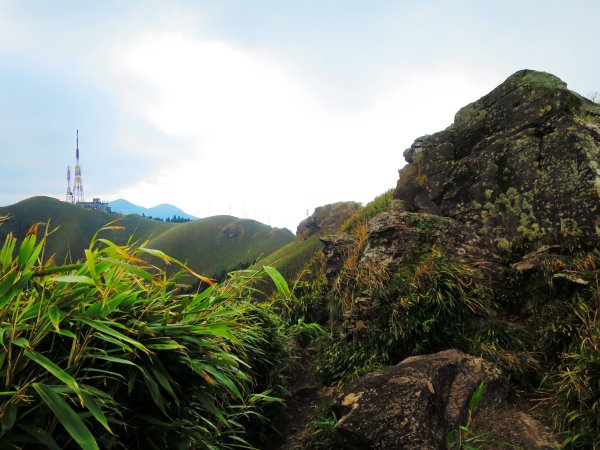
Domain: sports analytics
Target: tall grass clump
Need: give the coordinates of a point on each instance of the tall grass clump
(378, 205)
(111, 353)
(575, 386)
(380, 314)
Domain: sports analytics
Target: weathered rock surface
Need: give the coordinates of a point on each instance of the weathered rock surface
(335, 250)
(522, 161)
(395, 239)
(326, 218)
(415, 404)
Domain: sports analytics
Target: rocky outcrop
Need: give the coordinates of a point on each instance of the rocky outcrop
(326, 219)
(395, 237)
(335, 250)
(520, 162)
(412, 243)
(415, 404)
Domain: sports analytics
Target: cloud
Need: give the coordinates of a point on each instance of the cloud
(259, 141)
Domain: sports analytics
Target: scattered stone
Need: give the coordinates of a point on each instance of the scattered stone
(415, 404)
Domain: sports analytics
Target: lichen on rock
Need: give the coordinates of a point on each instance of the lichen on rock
(514, 163)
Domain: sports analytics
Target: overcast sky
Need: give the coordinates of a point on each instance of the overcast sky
(261, 109)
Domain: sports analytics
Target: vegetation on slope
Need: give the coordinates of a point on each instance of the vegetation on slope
(110, 353)
(75, 225)
(219, 244)
(212, 246)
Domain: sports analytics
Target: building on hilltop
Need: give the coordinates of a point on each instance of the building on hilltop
(95, 204)
(75, 195)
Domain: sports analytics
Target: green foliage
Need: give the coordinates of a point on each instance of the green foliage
(211, 246)
(575, 387)
(74, 225)
(378, 205)
(425, 306)
(321, 429)
(110, 353)
(220, 243)
(291, 259)
(463, 438)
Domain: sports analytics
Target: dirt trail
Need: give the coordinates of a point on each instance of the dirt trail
(293, 425)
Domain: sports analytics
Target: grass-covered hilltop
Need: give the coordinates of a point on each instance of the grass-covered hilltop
(459, 310)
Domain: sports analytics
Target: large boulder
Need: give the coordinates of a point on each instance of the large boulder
(326, 219)
(521, 162)
(415, 404)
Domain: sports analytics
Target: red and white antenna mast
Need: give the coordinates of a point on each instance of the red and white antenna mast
(69, 191)
(78, 185)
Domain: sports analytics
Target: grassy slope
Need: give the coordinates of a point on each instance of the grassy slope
(210, 246)
(221, 243)
(76, 225)
(294, 257)
(291, 259)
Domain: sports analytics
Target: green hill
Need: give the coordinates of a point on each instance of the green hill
(210, 246)
(76, 225)
(221, 243)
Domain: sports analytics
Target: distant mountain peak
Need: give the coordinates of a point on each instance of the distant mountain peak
(163, 211)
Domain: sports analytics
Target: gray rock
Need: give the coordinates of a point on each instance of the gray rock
(521, 162)
(415, 404)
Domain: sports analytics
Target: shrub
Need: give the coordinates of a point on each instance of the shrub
(109, 353)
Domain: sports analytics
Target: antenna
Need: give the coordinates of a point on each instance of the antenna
(69, 191)
(78, 185)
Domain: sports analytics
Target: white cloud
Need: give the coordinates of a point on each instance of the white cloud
(260, 142)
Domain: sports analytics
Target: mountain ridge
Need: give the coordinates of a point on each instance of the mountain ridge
(162, 211)
(217, 244)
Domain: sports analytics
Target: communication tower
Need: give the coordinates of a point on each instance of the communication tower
(70, 198)
(78, 185)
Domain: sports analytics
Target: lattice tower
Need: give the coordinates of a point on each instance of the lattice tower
(70, 198)
(78, 184)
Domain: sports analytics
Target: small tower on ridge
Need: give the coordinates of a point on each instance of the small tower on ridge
(69, 198)
(77, 185)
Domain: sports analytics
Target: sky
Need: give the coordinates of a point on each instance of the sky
(259, 109)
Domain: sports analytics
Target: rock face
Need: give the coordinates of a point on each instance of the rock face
(415, 404)
(396, 236)
(326, 218)
(410, 242)
(522, 161)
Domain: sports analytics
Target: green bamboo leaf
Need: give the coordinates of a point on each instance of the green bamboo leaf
(174, 346)
(21, 342)
(74, 279)
(54, 316)
(91, 266)
(7, 250)
(156, 253)
(41, 436)
(8, 419)
(67, 333)
(219, 376)
(476, 397)
(33, 257)
(54, 370)
(279, 281)
(164, 378)
(116, 360)
(154, 392)
(26, 248)
(67, 417)
(93, 407)
(102, 327)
